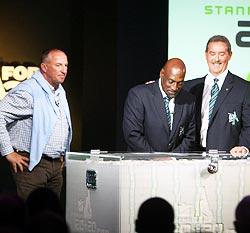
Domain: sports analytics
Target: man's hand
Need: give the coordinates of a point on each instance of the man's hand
(17, 161)
(148, 82)
(239, 151)
(62, 162)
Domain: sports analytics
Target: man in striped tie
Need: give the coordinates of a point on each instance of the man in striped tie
(159, 117)
(222, 100)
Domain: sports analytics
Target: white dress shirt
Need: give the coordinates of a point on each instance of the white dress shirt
(206, 96)
(171, 104)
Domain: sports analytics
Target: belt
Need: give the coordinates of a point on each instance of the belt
(44, 156)
(48, 158)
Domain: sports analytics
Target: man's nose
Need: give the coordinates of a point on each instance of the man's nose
(175, 86)
(64, 69)
(217, 58)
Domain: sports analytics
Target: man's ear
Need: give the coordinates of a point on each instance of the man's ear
(162, 72)
(43, 67)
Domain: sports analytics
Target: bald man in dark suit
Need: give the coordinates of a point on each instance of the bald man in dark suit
(145, 122)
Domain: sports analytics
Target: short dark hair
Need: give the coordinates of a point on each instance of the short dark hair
(155, 215)
(46, 52)
(220, 38)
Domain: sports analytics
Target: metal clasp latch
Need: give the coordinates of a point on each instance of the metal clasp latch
(213, 165)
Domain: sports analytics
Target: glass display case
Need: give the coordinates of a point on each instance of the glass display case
(104, 190)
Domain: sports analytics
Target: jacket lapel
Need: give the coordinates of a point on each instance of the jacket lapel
(198, 92)
(177, 117)
(159, 105)
(225, 89)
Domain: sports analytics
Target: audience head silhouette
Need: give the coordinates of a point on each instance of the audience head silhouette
(43, 199)
(155, 215)
(242, 216)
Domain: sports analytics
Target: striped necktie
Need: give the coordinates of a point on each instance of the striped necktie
(214, 95)
(166, 104)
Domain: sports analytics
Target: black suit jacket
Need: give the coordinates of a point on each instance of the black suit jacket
(230, 122)
(145, 124)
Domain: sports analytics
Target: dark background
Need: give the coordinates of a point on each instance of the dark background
(111, 46)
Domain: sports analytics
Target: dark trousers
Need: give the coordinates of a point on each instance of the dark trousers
(47, 173)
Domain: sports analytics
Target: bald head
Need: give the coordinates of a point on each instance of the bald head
(172, 76)
(174, 66)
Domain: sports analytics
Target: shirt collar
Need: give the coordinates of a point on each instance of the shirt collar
(53, 90)
(161, 89)
(163, 92)
(221, 77)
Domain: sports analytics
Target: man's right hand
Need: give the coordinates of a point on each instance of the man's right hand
(148, 82)
(239, 151)
(17, 161)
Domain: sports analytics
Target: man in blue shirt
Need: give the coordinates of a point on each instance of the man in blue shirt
(35, 126)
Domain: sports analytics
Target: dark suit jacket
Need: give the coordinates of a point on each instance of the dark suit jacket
(233, 101)
(145, 124)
